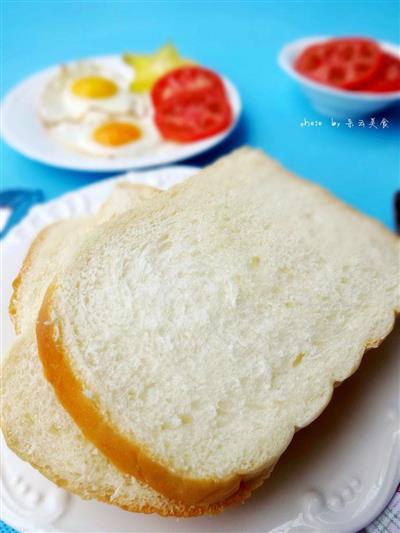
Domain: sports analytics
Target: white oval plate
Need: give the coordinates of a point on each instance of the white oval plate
(336, 477)
(23, 131)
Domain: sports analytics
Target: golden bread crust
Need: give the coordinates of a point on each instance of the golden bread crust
(126, 455)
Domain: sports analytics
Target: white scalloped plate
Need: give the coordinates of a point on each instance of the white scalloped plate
(23, 131)
(337, 475)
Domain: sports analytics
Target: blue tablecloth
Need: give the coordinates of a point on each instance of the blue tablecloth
(242, 40)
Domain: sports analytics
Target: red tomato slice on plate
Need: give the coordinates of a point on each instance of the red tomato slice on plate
(185, 79)
(190, 104)
(192, 116)
(346, 63)
(387, 78)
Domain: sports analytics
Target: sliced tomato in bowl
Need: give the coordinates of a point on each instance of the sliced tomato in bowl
(345, 63)
(193, 116)
(387, 79)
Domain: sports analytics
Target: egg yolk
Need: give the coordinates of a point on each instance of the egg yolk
(116, 134)
(94, 87)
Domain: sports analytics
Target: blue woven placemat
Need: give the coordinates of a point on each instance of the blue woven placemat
(389, 520)
(4, 528)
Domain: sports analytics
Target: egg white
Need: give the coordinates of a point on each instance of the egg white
(58, 102)
(78, 136)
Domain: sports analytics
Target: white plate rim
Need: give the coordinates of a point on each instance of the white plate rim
(81, 163)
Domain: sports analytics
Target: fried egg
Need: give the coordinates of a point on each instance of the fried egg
(82, 87)
(100, 135)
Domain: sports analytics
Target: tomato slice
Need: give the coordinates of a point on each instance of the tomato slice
(190, 104)
(185, 79)
(346, 63)
(192, 116)
(387, 78)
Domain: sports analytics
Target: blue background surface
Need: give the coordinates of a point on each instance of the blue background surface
(240, 39)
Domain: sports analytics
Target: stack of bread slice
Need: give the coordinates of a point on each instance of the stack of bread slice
(170, 345)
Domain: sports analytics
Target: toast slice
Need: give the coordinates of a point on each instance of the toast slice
(40, 431)
(53, 245)
(35, 425)
(191, 338)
